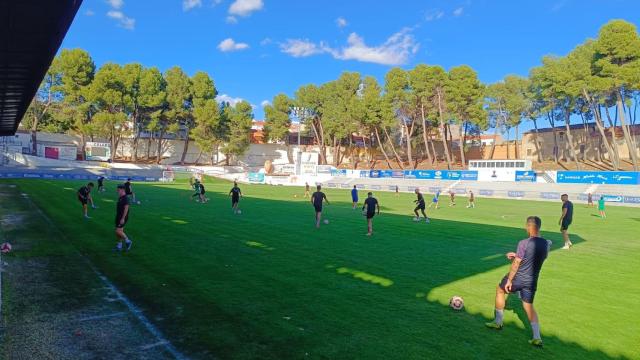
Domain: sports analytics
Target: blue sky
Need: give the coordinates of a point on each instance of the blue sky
(254, 49)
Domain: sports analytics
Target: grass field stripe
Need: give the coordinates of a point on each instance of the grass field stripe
(131, 306)
(100, 317)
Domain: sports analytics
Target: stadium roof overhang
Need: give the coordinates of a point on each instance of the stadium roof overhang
(31, 32)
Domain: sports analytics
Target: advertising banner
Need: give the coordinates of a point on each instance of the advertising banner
(308, 169)
(53, 176)
(326, 169)
(528, 176)
(97, 151)
(613, 198)
(550, 195)
(515, 194)
(599, 177)
(339, 172)
(486, 192)
(632, 199)
(256, 177)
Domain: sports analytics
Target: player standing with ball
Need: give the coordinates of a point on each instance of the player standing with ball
(316, 199)
(526, 263)
(235, 194)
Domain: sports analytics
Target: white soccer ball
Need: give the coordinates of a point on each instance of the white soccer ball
(5, 247)
(456, 303)
(139, 202)
(326, 221)
(416, 219)
(239, 212)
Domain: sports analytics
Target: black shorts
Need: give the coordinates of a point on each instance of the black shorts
(235, 200)
(82, 200)
(129, 193)
(526, 292)
(419, 207)
(370, 215)
(120, 226)
(318, 208)
(565, 225)
(202, 192)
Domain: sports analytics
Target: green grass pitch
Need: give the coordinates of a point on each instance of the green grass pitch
(267, 284)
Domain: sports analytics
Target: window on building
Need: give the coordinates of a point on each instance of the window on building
(510, 164)
(520, 164)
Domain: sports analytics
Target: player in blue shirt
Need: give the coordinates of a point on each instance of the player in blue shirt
(526, 263)
(354, 196)
(435, 201)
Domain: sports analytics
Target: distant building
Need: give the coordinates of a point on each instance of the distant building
(486, 140)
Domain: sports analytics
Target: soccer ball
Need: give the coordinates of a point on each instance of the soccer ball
(239, 212)
(139, 202)
(456, 303)
(5, 247)
(295, 196)
(326, 221)
(416, 219)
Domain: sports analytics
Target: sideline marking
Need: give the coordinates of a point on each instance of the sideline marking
(137, 313)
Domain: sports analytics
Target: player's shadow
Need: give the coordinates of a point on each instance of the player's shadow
(304, 278)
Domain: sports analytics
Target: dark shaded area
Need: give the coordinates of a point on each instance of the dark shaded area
(31, 32)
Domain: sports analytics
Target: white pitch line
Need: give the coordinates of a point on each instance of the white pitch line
(132, 307)
(151, 346)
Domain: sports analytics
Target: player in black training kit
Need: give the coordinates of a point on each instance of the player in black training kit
(101, 184)
(316, 199)
(369, 210)
(526, 263)
(122, 216)
(420, 205)
(84, 196)
(565, 220)
(235, 194)
(128, 191)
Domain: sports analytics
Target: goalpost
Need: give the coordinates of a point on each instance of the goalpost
(173, 175)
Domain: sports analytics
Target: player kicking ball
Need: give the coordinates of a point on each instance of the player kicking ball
(122, 216)
(84, 196)
(317, 199)
(101, 184)
(235, 194)
(420, 205)
(369, 210)
(526, 263)
(201, 194)
(436, 200)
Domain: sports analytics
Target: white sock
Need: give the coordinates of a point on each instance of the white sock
(119, 245)
(535, 328)
(499, 316)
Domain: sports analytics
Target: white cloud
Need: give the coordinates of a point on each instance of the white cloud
(341, 22)
(300, 48)
(123, 20)
(265, 103)
(229, 44)
(231, 20)
(89, 12)
(116, 4)
(245, 7)
(458, 11)
(266, 41)
(228, 99)
(396, 50)
(190, 4)
(432, 15)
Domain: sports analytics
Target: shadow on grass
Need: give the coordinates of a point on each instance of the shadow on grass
(224, 295)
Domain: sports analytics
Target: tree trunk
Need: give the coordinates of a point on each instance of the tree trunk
(433, 151)
(555, 138)
(34, 136)
(185, 149)
(572, 148)
(424, 134)
(508, 138)
(539, 150)
(442, 129)
(462, 158)
(382, 149)
(633, 155)
(149, 146)
(393, 148)
(134, 156)
(612, 128)
(613, 156)
(409, 156)
(159, 153)
(516, 145)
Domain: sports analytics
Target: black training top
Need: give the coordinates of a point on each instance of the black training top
(532, 252)
(569, 215)
(84, 191)
(317, 197)
(420, 200)
(127, 187)
(100, 180)
(122, 202)
(235, 192)
(370, 205)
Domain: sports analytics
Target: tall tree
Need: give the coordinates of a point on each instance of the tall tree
(397, 95)
(465, 96)
(311, 98)
(617, 65)
(205, 113)
(151, 102)
(240, 120)
(420, 95)
(176, 113)
(278, 121)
